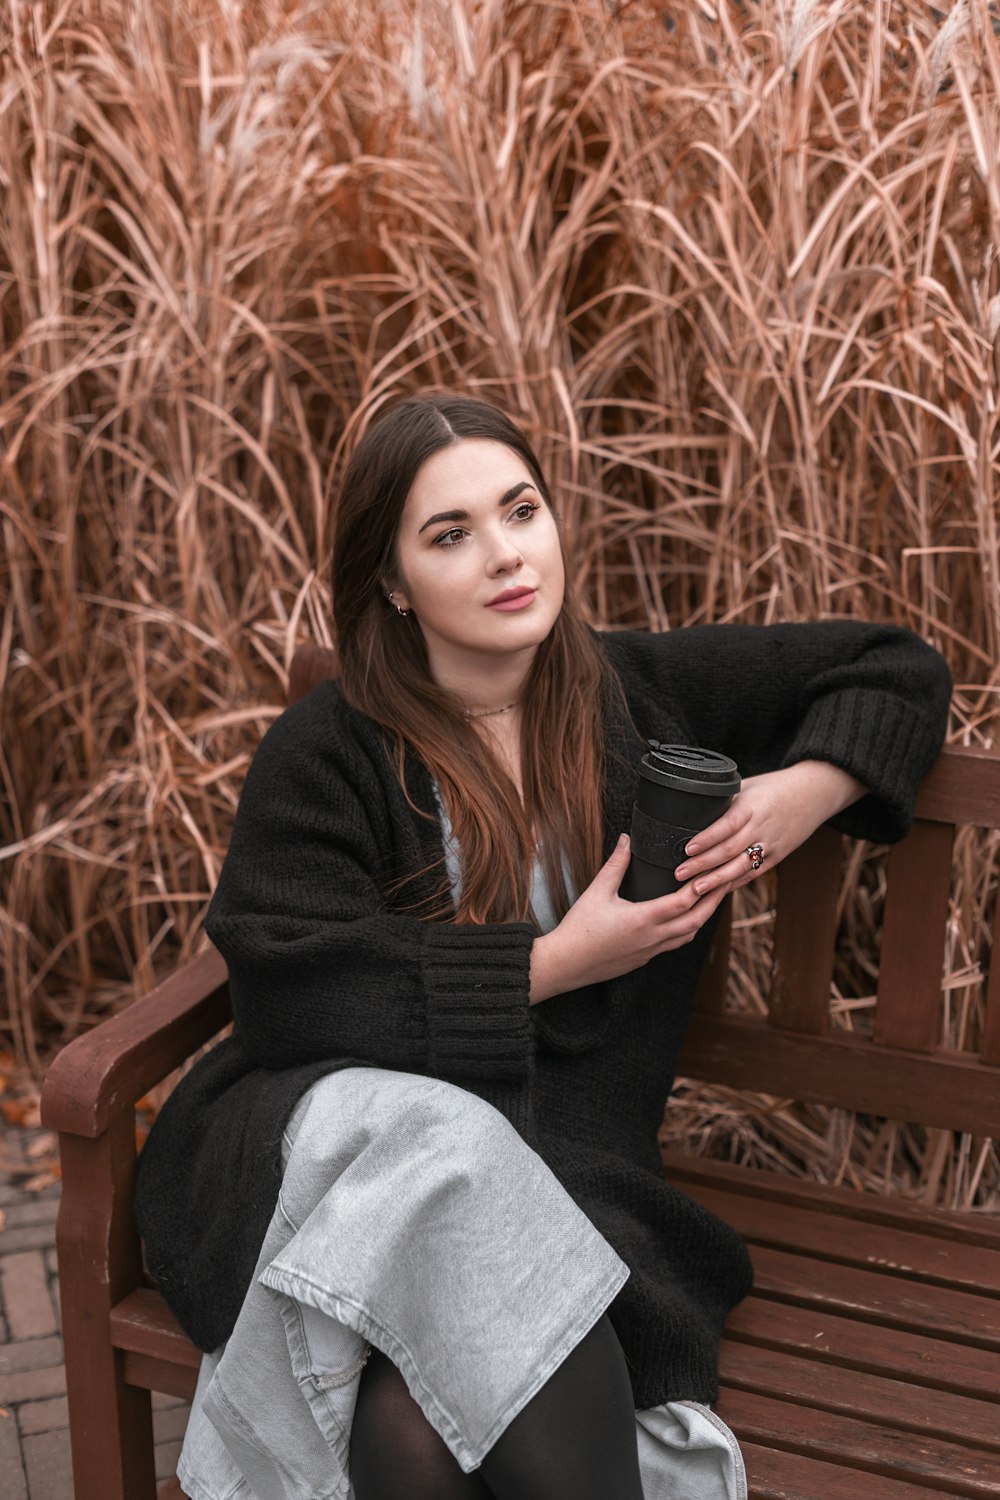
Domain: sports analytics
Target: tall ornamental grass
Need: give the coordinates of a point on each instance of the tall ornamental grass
(733, 264)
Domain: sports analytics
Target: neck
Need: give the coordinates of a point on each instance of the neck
(492, 713)
(485, 686)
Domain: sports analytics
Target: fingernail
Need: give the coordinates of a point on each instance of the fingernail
(691, 848)
(681, 871)
(623, 841)
(698, 887)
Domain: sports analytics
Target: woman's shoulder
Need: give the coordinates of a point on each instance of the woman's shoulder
(708, 666)
(321, 728)
(639, 656)
(694, 644)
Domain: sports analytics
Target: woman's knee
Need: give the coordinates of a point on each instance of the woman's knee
(395, 1450)
(434, 1111)
(385, 1401)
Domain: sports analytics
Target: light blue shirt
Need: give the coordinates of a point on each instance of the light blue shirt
(541, 903)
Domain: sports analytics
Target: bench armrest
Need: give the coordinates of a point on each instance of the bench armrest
(107, 1069)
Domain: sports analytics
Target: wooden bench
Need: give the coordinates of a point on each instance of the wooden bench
(865, 1364)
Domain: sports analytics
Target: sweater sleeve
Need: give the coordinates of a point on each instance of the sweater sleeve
(872, 699)
(319, 969)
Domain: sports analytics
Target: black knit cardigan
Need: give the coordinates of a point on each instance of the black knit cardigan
(324, 972)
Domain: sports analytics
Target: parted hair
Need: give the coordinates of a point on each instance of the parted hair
(385, 673)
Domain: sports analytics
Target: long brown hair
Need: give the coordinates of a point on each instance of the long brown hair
(385, 673)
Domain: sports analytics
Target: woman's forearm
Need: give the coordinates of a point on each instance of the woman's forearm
(550, 971)
(828, 786)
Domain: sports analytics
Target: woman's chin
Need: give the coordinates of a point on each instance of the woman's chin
(504, 635)
(522, 636)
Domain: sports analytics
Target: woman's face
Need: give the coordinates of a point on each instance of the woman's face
(479, 559)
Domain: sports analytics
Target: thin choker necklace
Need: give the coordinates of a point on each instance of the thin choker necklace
(488, 713)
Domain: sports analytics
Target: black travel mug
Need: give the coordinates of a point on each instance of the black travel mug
(682, 789)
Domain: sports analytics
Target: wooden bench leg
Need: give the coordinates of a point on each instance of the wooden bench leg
(111, 1423)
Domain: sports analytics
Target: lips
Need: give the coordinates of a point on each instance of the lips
(518, 598)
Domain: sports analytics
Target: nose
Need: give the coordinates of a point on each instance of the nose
(505, 556)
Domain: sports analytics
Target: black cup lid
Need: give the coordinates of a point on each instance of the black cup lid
(691, 769)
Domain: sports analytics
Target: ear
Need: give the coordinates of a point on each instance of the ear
(396, 596)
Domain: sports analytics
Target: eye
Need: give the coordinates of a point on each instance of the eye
(456, 534)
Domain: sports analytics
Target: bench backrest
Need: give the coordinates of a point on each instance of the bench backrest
(901, 1070)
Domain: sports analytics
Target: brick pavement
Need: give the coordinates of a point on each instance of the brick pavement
(34, 1434)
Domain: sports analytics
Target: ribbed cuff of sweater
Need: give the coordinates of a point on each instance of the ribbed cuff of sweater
(881, 740)
(477, 982)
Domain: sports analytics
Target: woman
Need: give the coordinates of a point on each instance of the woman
(453, 1039)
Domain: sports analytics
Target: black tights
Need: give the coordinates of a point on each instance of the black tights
(574, 1440)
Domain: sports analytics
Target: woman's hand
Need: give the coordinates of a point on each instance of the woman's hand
(602, 935)
(778, 810)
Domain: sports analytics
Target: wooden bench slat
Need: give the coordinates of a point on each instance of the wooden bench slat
(945, 1090)
(889, 1300)
(908, 1012)
(963, 788)
(143, 1323)
(713, 982)
(805, 935)
(990, 1049)
(104, 1071)
(952, 1468)
(160, 1375)
(311, 665)
(896, 1253)
(897, 1403)
(818, 1333)
(868, 1208)
(776, 1475)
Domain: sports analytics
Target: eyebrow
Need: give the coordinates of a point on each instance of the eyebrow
(463, 515)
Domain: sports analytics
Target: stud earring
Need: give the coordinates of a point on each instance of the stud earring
(399, 608)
